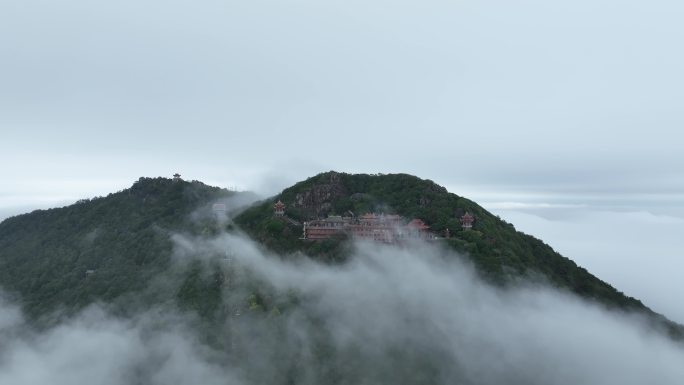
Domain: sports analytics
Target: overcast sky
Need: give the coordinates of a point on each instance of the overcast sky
(541, 110)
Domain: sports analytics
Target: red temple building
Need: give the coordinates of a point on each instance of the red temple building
(325, 228)
(279, 208)
(417, 229)
(467, 221)
(370, 226)
(218, 207)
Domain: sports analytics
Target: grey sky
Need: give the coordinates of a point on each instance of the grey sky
(529, 102)
(639, 253)
(528, 95)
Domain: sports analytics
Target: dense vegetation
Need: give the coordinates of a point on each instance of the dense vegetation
(500, 253)
(98, 249)
(112, 249)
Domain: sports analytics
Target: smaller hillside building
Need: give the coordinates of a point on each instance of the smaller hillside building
(279, 208)
(467, 221)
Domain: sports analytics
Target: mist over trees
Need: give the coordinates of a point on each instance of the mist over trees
(150, 285)
(389, 315)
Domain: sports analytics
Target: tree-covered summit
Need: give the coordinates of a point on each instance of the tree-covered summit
(100, 248)
(500, 253)
(110, 248)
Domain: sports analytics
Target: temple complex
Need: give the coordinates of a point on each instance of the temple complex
(370, 226)
(387, 228)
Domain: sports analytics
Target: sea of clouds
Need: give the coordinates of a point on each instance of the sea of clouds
(389, 315)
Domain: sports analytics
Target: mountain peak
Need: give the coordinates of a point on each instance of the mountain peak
(103, 248)
(494, 246)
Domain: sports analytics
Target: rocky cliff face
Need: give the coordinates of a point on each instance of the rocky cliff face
(316, 201)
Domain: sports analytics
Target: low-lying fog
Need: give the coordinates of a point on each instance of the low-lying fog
(390, 315)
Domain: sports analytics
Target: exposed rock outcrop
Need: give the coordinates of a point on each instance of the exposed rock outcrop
(317, 200)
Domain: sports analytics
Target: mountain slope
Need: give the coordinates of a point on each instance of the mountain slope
(98, 249)
(110, 248)
(500, 253)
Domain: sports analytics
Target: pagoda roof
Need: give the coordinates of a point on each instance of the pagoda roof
(417, 224)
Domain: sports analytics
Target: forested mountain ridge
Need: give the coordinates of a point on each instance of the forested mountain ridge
(500, 253)
(110, 248)
(100, 248)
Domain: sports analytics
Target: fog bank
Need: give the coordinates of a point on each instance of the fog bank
(390, 315)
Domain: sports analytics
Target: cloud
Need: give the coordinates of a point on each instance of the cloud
(638, 252)
(424, 299)
(526, 205)
(10, 316)
(97, 347)
(390, 315)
